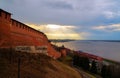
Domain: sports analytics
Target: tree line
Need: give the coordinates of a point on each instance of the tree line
(106, 71)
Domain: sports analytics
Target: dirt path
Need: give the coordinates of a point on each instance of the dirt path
(85, 74)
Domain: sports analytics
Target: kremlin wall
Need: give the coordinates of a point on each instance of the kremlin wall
(18, 36)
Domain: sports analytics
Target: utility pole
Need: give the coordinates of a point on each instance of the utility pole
(19, 60)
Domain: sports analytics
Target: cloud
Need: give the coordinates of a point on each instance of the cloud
(99, 27)
(69, 12)
(110, 28)
(58, 4)
(60, 31)
(111, 14)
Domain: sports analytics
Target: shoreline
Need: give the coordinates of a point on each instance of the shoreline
(95, 47)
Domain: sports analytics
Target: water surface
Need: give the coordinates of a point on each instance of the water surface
(106, 49)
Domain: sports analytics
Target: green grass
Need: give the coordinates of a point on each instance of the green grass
(66, 60)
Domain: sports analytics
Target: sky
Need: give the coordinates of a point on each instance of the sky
(69, 19)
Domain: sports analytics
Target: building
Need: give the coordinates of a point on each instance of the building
(15, 34)
(90, 56)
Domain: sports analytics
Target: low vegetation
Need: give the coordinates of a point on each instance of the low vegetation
(112, 70)
(33, 66)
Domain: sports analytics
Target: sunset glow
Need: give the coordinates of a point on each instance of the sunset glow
(52, 26)
(54, 31)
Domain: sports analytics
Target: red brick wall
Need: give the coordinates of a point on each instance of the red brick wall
(63, 52)
(14, 33)
(52, 52)
(4, 29)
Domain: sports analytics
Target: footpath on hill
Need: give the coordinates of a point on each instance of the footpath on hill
(68, 61)
(27, 65)
(85, 74)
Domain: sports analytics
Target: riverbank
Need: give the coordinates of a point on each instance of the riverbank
(106, 49)
(90, 62)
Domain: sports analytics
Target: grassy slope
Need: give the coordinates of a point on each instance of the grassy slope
(34, 66)
(68, 59)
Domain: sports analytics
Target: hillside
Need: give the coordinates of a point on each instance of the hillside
(33, 66)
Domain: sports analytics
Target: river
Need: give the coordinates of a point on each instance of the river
(106, 49)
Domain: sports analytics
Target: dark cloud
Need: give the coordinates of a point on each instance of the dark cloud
(59, 5)
(69, 12)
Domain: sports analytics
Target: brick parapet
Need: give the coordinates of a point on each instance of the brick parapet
(14, 33)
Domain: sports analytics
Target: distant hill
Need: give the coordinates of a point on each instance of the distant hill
(67, 40)
(102, 40)
(33, 66)
(61, 40)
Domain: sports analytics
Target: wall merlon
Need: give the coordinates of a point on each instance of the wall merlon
(5, 15)
(14, 33)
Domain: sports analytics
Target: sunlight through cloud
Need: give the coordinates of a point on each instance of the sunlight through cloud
(54, 31)
(110, 28)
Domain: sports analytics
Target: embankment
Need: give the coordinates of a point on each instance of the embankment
(33, 66)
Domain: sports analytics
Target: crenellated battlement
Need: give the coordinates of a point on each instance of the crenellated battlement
(4, 15)
(14, 33)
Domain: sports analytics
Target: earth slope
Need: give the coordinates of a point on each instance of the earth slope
(33, 66)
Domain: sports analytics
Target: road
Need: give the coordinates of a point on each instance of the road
(85, 74)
